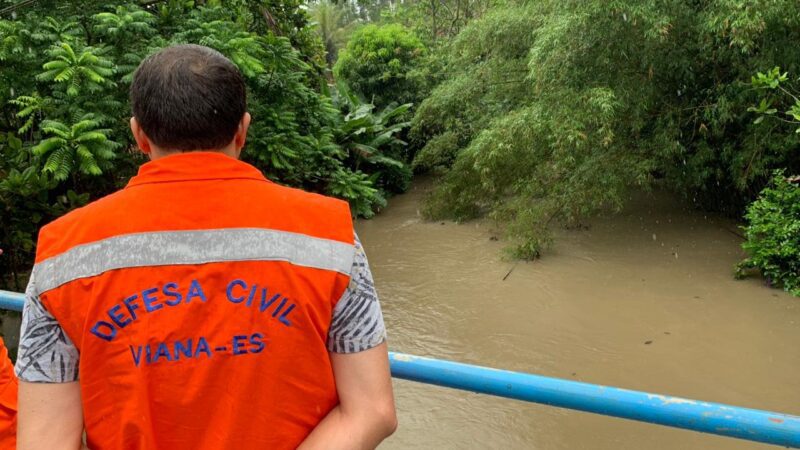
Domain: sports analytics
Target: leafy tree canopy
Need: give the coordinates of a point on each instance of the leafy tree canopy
(550, 110)
(380, 64)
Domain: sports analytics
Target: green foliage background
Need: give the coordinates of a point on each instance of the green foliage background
(380, 64)
(550, 110)
(65, 70)
(773, 233)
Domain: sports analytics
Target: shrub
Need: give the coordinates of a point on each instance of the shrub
(371, 139)
(380, 63)
(773, 234)
(440, 151)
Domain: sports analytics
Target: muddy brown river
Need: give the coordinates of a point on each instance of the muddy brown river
(642, 300)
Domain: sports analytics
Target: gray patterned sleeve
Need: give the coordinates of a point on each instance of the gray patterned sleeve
(46, 354)
(357, 323)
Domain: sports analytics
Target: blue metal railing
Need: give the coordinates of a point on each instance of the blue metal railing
(11, 301)
(743, 423)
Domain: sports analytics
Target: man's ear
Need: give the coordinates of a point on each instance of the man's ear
(142, 141)
(241, 133)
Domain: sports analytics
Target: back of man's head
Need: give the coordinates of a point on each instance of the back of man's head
(188, 97)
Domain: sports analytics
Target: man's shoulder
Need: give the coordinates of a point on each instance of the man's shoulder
(86, 212)
(75, 226)
(310, 203)
(299, 211)
(309, 198)
(107, 216)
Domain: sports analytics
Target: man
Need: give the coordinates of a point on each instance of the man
(202, 306)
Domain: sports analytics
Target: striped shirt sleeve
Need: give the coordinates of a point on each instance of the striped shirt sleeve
(46, 354)
(357, 322)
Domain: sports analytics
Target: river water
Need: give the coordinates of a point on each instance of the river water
(643, 300)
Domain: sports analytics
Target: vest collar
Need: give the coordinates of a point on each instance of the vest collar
(189, 166)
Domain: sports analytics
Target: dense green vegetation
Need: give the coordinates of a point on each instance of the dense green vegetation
(64, 75)
(773, 233)
(381, 64)
(333, 24)
(551, 110)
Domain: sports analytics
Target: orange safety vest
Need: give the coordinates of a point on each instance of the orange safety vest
(199, 298)
(8, 401)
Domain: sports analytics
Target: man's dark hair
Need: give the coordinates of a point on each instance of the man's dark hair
(188, 97)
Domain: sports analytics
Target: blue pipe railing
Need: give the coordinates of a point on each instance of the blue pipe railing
(11, 301)
(715, 418)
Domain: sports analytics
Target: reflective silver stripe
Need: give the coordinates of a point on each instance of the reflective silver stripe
(163, 248)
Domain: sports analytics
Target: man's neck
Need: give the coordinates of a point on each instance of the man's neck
(228, 150)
